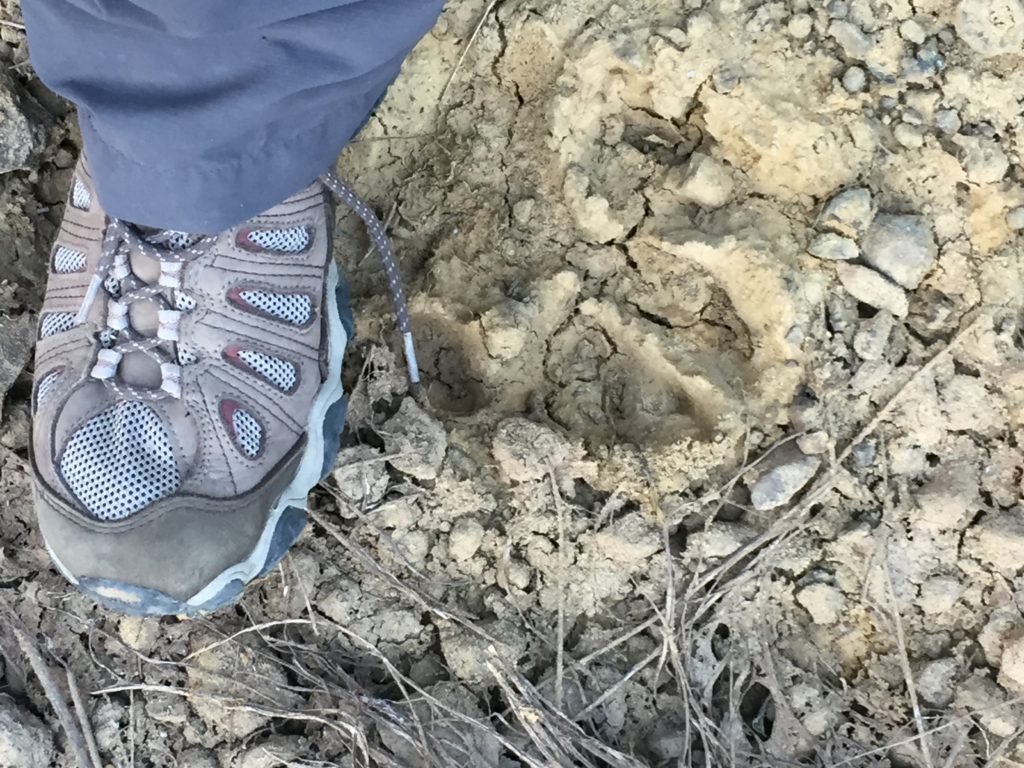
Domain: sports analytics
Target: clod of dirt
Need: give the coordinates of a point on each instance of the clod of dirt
(824, 602)
(274, 752)
(704, 181)
(872, 289)
(935, 681)
(468, 654)
(225, 678)
(782, 482)
(360, 475)
(988, 703)
(909, 135)
(139, 633)
(419, 438)
(998, 541)
(872, 337)
(22, 135)
(17, 429)
(900, 246)
(527, 451)
(983, 159)
(17, 335)
(24, 741)
(991, 27)
(1003, 625)
(833, 247)
(465, 538)
(1011, 666)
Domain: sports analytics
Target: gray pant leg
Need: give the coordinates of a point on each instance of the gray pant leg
(198, 114)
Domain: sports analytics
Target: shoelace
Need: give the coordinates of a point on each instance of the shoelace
(114, 274)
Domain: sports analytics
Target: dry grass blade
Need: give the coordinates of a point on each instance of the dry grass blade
(76, 738)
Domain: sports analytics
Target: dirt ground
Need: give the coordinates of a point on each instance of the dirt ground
(719, 458)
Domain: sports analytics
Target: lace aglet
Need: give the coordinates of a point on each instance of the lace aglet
(410, 359)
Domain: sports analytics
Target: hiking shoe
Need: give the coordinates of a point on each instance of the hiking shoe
(187, 397)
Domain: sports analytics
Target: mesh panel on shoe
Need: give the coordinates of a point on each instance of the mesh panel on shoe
(248, 432)
(67, 260)
(81, 197)
(278, 372)
(120, 461)
(176, 240)
(46, 385)
(56, 322)
(294, 308)
(291, 240)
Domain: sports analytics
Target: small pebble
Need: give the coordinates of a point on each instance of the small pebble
(887, 103)
(913, 32)
(838, 9)
(1015, 219)
(902, 247)
(873, 289)
(833, 247)
(814, 443)
(910, 136)
(855, 80)
(800, 26)
(947, 121)
(912, 116)
(872, 337)
(781, 483)
(850, 212)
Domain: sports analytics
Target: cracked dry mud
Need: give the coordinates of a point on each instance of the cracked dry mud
(717, 300)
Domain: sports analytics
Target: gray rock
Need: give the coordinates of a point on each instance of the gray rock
(22, 130)
(902, 247)
(947, 121)
(419, 438)
(782, 482)
(24, 741)
(833, 247)
(17, 336)
(1015, 219)
(838, 9)
(872, 337)
(872, 288)
(849, 213)
(991, 27)
(983, 159)
(855, 80)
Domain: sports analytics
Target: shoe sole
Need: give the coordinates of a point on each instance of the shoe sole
(288, 517)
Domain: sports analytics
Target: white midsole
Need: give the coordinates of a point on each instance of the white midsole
(310, 465)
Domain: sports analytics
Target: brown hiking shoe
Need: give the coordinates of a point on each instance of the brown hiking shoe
(188, 395)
